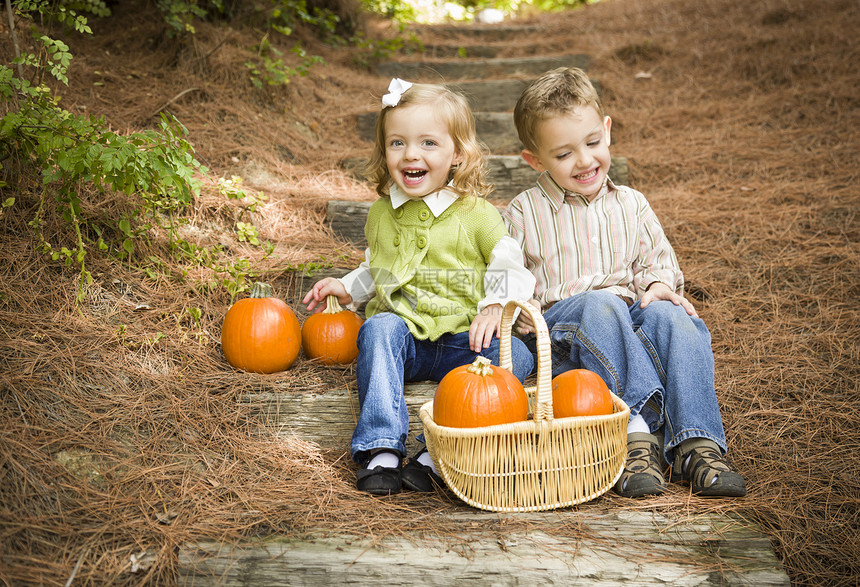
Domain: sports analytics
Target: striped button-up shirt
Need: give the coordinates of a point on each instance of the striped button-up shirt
(571, 245)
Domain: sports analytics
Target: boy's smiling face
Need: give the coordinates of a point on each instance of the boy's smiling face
(419, 150)
(574, 148)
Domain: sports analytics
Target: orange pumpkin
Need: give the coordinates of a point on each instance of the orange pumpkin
(261, 333)
(479, 394)
(332, 335)
(580, 392)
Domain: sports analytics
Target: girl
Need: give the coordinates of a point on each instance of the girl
(437, 271)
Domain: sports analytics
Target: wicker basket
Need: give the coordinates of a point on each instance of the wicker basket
(540, 464)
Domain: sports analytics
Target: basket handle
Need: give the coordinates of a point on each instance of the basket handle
(543, 394)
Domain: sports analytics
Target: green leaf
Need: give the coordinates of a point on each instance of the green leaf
(125, 227)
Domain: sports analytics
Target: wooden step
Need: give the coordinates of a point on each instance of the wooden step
(291, 286)
(494, 120)
(484, 96)
(495, 129)
(623, 546)
(587, 546)
(445, 71)
(509, 173)
(448, 51)
(484, 33)
(327, 418)
(497, 95)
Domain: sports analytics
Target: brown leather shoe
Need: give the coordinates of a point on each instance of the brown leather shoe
(642, 475)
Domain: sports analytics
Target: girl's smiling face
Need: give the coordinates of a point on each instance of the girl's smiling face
(574, 148)
(419, 150)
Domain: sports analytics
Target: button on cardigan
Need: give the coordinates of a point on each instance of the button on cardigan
(437, 266)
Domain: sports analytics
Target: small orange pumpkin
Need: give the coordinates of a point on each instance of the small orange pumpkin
(479, 394)
(261, 333)
(332, 335)
(580, 392)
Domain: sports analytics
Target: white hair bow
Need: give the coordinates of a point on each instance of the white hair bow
(395, 91)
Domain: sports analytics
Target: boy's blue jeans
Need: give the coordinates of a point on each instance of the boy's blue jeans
(388, 355)
(658, 359)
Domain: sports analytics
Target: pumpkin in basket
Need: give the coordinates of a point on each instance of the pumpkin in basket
(479, 394)
(580, 392)
(332, 335)
(261, 333)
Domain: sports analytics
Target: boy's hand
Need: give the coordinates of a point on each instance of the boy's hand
(326, 287)
(485, 325)
(524, 323)
(661, 291)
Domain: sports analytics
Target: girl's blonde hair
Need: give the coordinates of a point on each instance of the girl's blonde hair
(466, 179)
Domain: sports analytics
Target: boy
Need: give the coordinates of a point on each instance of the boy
(611, 291)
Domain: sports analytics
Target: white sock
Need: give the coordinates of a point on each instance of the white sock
(425, 459)
(385, 459)
(637, 424)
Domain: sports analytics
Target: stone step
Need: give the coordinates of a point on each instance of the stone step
(566, 547)
(445, 71)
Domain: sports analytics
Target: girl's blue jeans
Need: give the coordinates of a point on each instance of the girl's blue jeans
(388, 356)
(658, 359)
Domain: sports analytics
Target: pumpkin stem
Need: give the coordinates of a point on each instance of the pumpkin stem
(262, 290)
(481, 366)
(332, 306)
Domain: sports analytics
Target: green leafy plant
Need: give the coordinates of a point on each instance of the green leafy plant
(179, 15)
(372, 51)
(268, 67)
(74, 154)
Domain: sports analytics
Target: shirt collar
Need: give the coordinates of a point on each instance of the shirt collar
(438, 202)
(556, 194)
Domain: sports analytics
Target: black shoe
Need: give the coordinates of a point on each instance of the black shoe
(418, 477)
(379, 480)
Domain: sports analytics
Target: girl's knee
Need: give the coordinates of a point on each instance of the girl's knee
(385, 326)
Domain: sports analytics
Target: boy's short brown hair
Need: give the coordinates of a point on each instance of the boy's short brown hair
(556, 92)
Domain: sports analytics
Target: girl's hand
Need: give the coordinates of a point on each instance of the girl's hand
(661, 291)
(486, 324)
(524, 323)
(323, 288)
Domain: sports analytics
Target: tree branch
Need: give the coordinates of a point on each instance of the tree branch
(14, 36)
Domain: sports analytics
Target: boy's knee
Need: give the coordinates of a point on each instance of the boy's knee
(604, 301)
(666, 311)
(666, 316)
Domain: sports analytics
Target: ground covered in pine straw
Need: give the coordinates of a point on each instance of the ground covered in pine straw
(121, 433)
